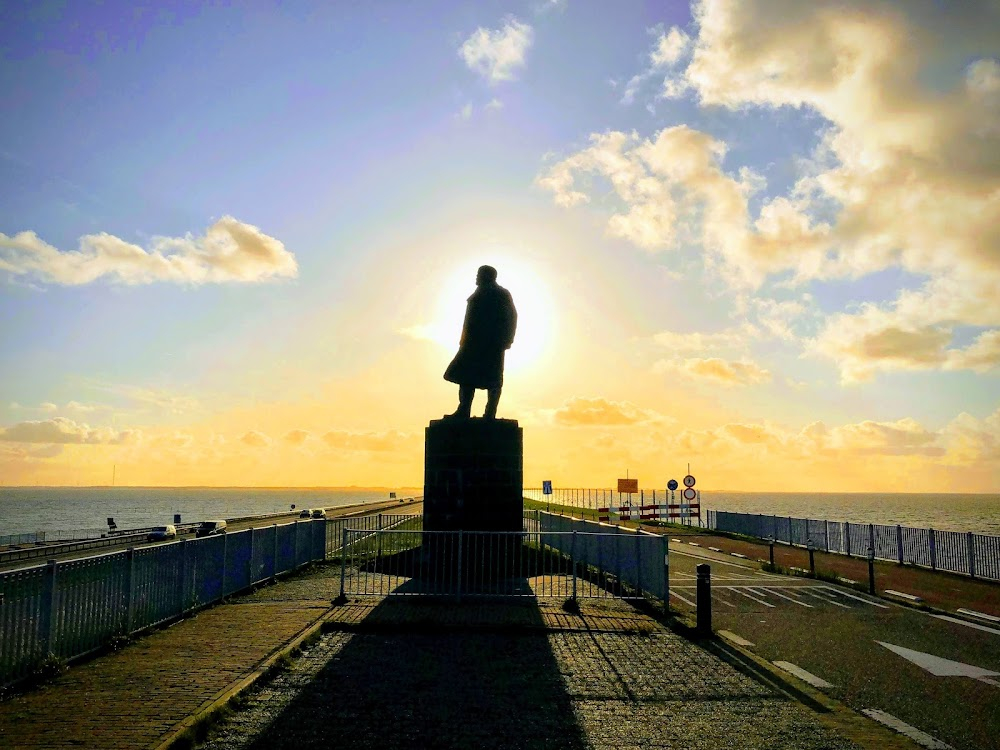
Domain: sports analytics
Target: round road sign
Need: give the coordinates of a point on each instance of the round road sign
(689, 481)
(689, 494)
(672, 485)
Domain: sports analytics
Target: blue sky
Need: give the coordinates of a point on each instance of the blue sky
(759, 236)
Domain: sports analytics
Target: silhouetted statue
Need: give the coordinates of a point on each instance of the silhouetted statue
(488, 332)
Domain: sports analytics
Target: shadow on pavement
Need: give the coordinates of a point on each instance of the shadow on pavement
(413, 687)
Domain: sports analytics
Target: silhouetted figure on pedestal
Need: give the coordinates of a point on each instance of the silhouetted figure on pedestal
(488, 332)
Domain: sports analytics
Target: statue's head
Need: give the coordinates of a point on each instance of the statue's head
(486, 275)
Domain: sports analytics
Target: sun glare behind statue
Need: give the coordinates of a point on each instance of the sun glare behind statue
(535, 310)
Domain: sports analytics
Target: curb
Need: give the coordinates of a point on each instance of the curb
(177, 733)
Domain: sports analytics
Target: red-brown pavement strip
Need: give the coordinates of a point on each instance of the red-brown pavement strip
(132, 698)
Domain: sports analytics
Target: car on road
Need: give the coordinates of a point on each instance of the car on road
(306, 513)
(319, 513)
(162, 533)
(211, 528)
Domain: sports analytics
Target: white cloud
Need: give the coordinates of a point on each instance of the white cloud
(700, 342)
(670, 47)
(62, 430)
(906, 175)
(297, 437)
(496, 54)
(466, 111)
(229, 251)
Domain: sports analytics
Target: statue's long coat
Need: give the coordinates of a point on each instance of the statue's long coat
(488, 331)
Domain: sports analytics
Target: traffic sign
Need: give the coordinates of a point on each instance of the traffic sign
(689, 481)
(547, 487)
(672, 485)
(689, 494)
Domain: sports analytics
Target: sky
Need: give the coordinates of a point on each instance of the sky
(757, 237)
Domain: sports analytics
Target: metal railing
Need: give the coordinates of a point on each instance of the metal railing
(65, 610)
(553, 557)
(975, 555)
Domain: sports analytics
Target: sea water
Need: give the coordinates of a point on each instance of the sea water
(24, 510)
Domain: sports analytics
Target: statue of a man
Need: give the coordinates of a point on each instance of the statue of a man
(488, 332)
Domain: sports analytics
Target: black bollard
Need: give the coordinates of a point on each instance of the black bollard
(704, 600)
(871, 570)
(770, 544)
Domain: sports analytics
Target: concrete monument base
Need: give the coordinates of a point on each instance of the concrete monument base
(473, 475)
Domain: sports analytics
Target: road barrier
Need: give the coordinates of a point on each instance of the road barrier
(975, 555)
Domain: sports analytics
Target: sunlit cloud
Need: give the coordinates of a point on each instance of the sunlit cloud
(297, 437)
(63, 430)
(667, 50)
(497, 53)
(229, 251)
(720, 371)
(591, 412)
(346, 440)
(255, 439)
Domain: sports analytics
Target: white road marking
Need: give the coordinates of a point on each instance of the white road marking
(921, 738)
(854, 596)
(941, 667)
(903, 595)
(686, 601)
(771, 590)
(826, 599)
(688, 553)
(717, 598)
(981, 615)
(729, 636)
(803, 674)
(975, 625)
(743, 593)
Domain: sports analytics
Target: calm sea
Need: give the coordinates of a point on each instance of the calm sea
(978, 513)
(25, 510)
(28, 509)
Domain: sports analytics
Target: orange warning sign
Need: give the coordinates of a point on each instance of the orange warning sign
(628, 486)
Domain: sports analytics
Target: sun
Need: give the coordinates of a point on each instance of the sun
(536, 319)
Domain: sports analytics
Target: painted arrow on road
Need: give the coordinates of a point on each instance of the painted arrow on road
(940, 667)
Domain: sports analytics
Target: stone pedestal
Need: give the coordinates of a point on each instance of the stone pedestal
(473, 472)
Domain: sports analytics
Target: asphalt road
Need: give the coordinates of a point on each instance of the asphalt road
(871, 653)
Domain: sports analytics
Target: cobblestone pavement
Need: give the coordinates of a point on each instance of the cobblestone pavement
(558, 690)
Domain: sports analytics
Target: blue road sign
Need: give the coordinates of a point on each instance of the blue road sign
(547, 487)
(672, 485)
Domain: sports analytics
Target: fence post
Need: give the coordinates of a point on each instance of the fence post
(847, 538)
(871, 537)
(572, 561)
(666, 573)
(826, 535)
(638, 560)
(184, 596)
(789, 531)
(930, 541)
(129, 589)
(343, 562)
(972, 554)
(459, 553)
(274, 555)
(225, 551)
(48, 619)
(899, 543)
(703, 600)
(378, 541)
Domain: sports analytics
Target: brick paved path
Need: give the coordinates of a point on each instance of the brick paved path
(132, 698)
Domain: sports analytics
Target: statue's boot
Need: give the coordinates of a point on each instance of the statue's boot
(492, 402)
(464, 410)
